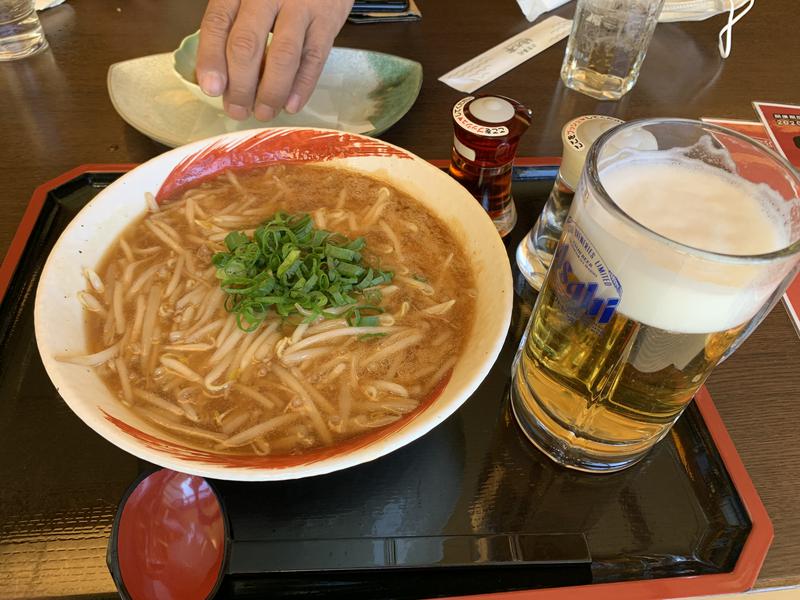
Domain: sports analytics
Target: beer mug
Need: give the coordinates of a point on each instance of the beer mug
(667, 259)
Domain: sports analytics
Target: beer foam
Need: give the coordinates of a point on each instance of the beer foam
(696, 205)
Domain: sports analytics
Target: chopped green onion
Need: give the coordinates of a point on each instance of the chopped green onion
(290, 267)
(364, 315)
(367, 336)
(341, 253)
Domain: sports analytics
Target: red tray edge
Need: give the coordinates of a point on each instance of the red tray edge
(520, 161)
(753, 552)
(31, 214)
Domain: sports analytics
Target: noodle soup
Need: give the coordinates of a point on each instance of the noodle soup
(238, 324)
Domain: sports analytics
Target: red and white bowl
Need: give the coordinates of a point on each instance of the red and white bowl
(59, 319)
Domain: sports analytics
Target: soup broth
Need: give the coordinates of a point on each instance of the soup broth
(167, 346)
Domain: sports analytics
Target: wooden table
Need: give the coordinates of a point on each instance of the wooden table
(55, 114)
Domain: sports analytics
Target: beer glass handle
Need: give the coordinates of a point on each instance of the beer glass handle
(761, 314)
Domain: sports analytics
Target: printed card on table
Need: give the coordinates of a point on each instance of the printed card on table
(782, 123)
(792, 301)
(752, 129)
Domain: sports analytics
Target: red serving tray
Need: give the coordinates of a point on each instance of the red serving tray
(748, 565)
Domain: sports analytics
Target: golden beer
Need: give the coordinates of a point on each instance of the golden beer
(613, 392)
(664, 264)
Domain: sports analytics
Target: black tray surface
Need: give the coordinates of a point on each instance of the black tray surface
(469, 508)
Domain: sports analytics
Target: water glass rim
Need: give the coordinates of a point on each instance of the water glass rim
(593, 179)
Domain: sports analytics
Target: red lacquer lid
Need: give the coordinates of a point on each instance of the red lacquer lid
(171, 539)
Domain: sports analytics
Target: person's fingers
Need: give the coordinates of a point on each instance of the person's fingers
(211, 69)
(319, 40)
(326, 21)
(245, 51)
(283, 59)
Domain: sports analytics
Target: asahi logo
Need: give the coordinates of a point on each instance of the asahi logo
(583, 296)
(587, 287)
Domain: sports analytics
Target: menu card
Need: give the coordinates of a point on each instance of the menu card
(775, 130)
(782, 125)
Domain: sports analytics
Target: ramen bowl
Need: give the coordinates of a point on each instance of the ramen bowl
(59, 316)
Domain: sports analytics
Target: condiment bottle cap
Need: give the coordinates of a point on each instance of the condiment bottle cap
(492, 109)
(578, 136)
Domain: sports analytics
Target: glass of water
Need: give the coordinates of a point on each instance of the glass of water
(21, 32)
(607, 45)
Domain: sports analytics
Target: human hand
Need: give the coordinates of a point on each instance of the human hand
(230, 56)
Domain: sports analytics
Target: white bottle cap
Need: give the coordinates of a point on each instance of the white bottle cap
(492, 110)
(578, 136)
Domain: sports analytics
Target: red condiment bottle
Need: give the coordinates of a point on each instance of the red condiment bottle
(486, 134)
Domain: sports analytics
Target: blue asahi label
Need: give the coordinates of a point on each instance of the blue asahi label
(585, 287)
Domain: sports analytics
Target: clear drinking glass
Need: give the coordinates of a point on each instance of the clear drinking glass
(21, 32)
(535, 251)
(667, 259)
(607, 45)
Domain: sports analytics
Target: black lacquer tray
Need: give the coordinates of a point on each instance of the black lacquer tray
(470, 508)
